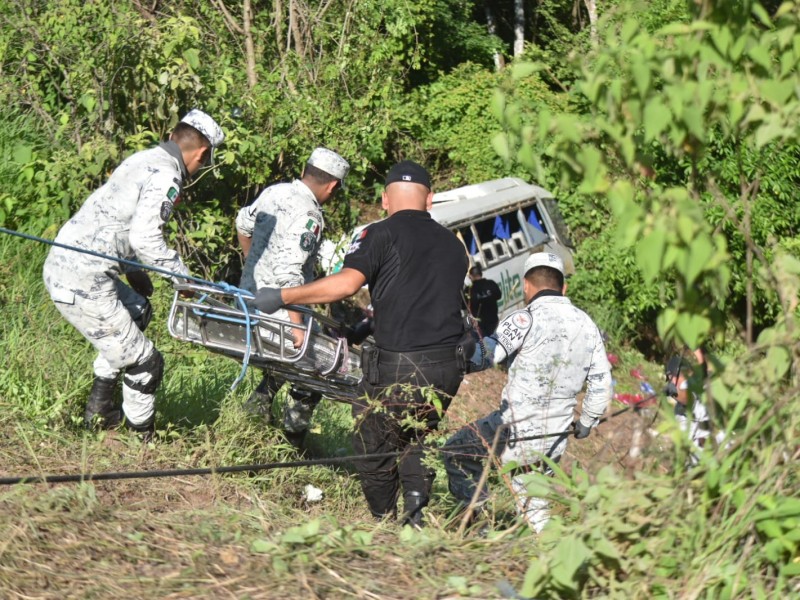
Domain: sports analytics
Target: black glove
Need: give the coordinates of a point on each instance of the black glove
(267, 300)
(581, 430)
(140, 282)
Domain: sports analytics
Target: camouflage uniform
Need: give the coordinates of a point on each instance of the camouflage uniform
(285, 224)
(285, 227)
(124, 218)
(555, 348)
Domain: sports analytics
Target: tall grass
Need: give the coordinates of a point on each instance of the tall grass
(727, 528)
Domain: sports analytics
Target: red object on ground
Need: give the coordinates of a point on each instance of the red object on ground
(613, 359)
(637, 373)
(634, 399)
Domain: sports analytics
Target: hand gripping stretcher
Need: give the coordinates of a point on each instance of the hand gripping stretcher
(215, 318)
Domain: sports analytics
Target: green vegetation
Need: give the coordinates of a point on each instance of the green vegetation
(672, 142)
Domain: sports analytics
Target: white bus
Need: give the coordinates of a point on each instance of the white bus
(500, 223)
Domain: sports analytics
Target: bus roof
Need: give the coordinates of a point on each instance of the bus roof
(466, 204)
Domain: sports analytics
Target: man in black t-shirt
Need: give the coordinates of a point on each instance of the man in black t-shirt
(483, 297)
(415, 269)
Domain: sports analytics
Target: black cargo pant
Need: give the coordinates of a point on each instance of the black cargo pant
(395, 413)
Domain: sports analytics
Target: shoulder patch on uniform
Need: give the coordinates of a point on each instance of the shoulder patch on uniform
(166, 211)
(313, 227)
(512, 330)
(521, 319)
(307, 241)
(353, 247)
(172, 193)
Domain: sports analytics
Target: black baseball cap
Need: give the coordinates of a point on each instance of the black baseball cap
(408, 170)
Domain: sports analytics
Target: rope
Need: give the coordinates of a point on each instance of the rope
(254, 468)
(238, 293)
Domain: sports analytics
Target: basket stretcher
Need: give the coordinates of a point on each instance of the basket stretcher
(215, 319)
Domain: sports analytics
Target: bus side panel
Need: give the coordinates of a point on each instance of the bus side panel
(508, 276)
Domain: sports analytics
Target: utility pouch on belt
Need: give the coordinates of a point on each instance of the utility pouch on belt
(369, 364)
(465, 348)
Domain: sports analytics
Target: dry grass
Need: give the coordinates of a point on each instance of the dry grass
(194, 537)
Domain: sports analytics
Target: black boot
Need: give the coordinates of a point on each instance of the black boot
(100, 412)
(413, 503)
(145, 431)
(259, 404)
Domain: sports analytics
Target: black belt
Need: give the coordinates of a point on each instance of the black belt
(439, 354)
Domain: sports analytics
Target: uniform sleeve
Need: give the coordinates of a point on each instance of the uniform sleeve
(156, 202)
(246, 219)
(598, 385)
(301, 238)
(367, 251)
(510, 334)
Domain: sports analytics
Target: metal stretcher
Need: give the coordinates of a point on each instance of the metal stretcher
(215, 318)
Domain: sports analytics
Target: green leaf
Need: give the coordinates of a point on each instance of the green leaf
(762, 15)
(721, 36)
(755, 114)
(692, 328)
(22, 154)
(777, 92)
(499, 106)
(192, 56)
(649, 253)
(665, 321)
(656, 118)
(785, 35)
(604, 547)
(641, 75)
(501, 146)
(779, 360)
(761, 56)
(262, 546)
(88, 101)
(570, 554)
(700, 251)
(522, 70)
(768, 132)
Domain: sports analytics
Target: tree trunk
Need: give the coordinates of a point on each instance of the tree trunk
(519, 27)
(294, 25)
(499, 61)
(249, 48)
(591, 8)
(279, 26)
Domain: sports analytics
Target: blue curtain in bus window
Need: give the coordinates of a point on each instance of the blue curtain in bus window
(469, 240)
(533, 219)
(502, 227)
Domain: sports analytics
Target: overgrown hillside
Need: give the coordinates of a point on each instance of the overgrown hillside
(668, 131)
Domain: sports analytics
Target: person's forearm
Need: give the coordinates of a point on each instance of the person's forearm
(244, 242)
(335, 287)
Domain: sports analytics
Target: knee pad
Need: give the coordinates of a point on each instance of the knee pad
(143, 320)
(154, 366)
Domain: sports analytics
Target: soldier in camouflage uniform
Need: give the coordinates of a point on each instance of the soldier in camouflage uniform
(279, 234)
(124, 218)
(555, 348)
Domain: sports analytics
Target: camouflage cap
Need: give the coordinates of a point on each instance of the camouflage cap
(207, 126)
(330, 162)
(544, 259)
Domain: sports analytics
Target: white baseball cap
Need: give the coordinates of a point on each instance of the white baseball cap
(544, 259)
(207, 126)
(330, 162)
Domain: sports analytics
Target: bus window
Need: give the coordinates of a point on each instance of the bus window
(467, 237)
(536, 229)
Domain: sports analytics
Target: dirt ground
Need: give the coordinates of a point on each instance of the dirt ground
(622, 439)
